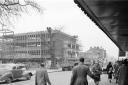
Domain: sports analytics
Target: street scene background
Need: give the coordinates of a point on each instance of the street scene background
(56, 33)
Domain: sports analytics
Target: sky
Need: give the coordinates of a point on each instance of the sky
(65, 14)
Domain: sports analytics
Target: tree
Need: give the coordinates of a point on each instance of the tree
(13, 8)
(9, 9)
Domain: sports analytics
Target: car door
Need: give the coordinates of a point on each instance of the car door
(14, 72)
(19, 71)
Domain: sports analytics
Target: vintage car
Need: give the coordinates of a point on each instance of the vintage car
(11, 72)
(67, 67)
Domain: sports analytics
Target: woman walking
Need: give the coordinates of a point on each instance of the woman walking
(97, 70)
(109, 71)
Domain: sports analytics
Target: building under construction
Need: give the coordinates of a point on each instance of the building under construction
(35, 46)
(6, 45)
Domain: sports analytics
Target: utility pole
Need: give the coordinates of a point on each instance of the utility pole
(51, 48)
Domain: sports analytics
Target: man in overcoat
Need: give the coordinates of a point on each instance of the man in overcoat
(123, 73)
(41, 77)
(79, 74)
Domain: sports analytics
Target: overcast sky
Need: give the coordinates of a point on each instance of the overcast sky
(66, 14)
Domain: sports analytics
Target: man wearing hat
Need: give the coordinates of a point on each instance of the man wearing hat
(42, 77)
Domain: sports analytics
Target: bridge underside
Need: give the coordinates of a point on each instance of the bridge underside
(111, 16)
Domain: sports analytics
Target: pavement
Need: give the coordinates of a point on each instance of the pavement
(104, 77)
(104, 81)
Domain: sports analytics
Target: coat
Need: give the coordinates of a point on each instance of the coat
(97, 71)
(41, 77)
(108, 67)
(123, 75)
(79, 75)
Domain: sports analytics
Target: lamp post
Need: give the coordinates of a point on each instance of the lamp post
(51, 48)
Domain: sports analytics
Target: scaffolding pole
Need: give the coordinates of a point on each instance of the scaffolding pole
(7, 44)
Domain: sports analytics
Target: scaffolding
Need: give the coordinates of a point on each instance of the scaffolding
(6, 45)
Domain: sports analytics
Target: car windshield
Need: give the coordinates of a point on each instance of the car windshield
(21, 67)
(3, 66)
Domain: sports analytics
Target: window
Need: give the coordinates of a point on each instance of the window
(21, 67)
(69, 45)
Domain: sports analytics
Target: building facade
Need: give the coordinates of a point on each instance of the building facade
(35, 46)
(94, 54)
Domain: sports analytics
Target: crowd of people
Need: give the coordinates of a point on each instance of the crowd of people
(117, 71)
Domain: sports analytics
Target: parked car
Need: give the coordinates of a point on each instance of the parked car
(11, 72)
(67, 67)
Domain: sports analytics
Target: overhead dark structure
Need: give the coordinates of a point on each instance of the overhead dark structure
(111, 16)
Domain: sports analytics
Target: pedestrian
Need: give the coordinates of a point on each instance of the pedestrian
(116, 69)
(123, 73)
(42, 77)
(79, 74)
(97, 71)
(109, 66)
(109, 71)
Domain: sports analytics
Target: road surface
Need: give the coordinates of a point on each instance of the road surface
(57, 78)
(60, 78)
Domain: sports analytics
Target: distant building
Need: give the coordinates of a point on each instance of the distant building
(34, 46)
(94, 54)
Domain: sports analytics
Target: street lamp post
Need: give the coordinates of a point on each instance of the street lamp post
(51, 48)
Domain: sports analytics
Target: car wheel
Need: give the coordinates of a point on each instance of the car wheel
(8, 80)
(28, 77)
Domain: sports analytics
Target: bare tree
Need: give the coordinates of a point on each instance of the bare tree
(13, 8)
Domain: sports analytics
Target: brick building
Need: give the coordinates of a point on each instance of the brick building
(34, 46)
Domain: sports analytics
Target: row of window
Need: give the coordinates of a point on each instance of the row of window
(32, 36)
(73, 46)
(32, 44)
(71, 53)
(34, 52)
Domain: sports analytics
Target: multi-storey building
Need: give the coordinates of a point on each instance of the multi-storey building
(35, 46)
